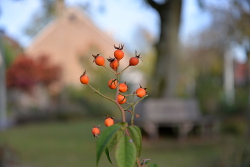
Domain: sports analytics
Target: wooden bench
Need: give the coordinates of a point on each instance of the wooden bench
(181, 113)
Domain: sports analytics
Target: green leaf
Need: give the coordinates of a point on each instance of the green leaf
(153, 165)
(125, 152)
(107, 154)
(113, 143)
(105, 138)
(135, 134)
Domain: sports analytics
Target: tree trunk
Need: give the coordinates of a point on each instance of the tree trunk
(229, 77)
(164, 80)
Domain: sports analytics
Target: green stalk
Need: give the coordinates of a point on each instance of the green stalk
(133, 115)
(130, 104)
(133, 108)
(140, 100)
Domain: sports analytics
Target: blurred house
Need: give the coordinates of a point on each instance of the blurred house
(67, 39)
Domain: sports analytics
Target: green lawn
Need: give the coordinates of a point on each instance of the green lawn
(71, 144)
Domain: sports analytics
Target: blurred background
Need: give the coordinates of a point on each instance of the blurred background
(195, 66)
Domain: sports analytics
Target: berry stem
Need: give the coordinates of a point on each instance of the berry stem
(117, 93)
(116, 101)
(127, 94)
(130, 105)
(123, 70)
(110, 70)
(99, 93)
(133, 108)
(133, 115)
(139, 100)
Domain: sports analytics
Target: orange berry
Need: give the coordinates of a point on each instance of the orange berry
(121, 99)
(119, 54)
(133, 61)
(84, 79)
(96, 131)
(112, 83)
(140, 92)
(114, 64)
(123, 87)
(99, 60)
(109, 121)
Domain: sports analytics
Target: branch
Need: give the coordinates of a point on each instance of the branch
(160, 8)
(153, 4)
(99, 93)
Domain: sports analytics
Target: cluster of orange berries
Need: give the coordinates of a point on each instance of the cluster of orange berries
(113, 62)
(108, 122)
(140, 92)
(113, 83)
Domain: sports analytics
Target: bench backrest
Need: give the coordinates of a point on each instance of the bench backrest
(171, 110)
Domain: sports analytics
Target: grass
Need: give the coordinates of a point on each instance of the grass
(68, 144)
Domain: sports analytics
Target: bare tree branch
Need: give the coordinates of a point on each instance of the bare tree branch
(155, 5)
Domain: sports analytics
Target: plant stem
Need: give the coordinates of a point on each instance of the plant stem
(133, 108)
(117, 92)
(115, 72)
(99, 93)
(127, 94)
(138, 162)
(123, 70)
(140, 100)
(133, 115)
(110, 70)
(128, 106)
(116, 101)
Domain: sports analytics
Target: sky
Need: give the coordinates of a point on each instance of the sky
(120, 19)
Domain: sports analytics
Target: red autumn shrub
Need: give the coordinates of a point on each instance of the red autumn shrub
(26, 72)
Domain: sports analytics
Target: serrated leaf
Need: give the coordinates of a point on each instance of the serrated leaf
(107, 154)
(135, 134)
(125, 152)
(105, 138)
(153, 165)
